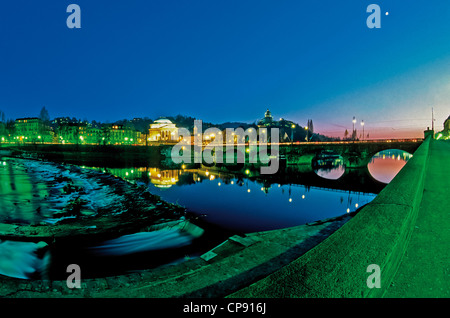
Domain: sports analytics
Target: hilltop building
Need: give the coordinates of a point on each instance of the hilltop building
(267, 121)
(286, 127)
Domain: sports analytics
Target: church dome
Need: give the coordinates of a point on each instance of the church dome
(162, 121)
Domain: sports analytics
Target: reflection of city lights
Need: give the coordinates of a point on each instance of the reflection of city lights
(303, 196)
(198, 179)
(248, 190)
(348, 210)
(290, 199)
(262, 189)
(232, 182)
(219, 184)
(356, 205)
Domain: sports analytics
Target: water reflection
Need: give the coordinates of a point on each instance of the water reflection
(385, 165)
(163, 178)
(329, 165)
(243, 202)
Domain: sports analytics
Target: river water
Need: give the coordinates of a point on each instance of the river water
(245, 203)
(235, 202)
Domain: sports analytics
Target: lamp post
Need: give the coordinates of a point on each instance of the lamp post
(362, 124)
(354, 122)
(353, 133)
(292, 133)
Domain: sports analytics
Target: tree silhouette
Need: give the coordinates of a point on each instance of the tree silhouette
(44, 116)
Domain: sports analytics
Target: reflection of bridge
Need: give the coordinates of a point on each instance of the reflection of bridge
(353, 180)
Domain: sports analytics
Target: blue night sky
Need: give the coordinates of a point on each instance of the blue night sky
(229, 60)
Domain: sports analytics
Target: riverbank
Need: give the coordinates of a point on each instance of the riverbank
(44, 201)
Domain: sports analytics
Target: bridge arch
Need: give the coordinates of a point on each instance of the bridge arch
(355, 154)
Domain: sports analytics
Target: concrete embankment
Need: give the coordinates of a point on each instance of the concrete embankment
(425, 268)
(378, 234)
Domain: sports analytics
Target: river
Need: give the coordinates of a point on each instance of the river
(227, 202)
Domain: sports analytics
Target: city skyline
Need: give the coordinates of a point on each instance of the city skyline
(223, 62)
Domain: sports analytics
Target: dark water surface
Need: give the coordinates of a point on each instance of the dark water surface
(227, 202)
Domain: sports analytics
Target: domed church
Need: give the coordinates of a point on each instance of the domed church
(163, 130)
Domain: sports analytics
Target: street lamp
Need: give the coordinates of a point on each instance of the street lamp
(354, 122)
(362, 124)
(292, 132)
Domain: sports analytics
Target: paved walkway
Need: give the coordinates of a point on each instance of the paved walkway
(425, 267)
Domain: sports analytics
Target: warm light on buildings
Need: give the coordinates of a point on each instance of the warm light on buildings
(163, 130)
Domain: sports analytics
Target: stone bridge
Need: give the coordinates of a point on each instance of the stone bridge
(356, 154)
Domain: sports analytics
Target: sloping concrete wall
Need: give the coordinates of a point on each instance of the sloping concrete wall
(378, 234)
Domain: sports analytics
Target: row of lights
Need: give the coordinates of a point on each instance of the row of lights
(362, 124)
